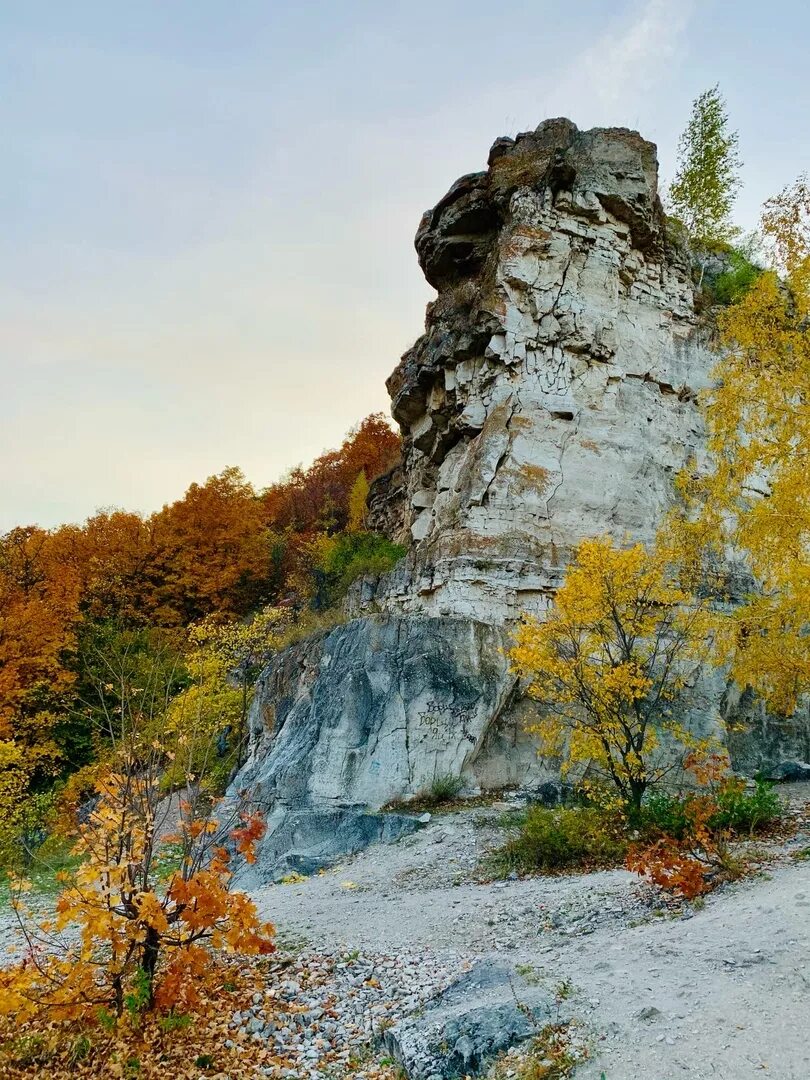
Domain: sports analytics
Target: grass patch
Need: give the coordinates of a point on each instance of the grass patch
(547, 841)
(53, 858)
(444, 789)
(306, 625)
(444, 794)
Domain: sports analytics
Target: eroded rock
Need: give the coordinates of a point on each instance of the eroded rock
(552, 397)
(462, 1032)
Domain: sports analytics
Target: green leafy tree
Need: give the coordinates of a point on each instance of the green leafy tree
(707, 179)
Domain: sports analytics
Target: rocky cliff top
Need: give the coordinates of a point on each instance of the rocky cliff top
(610, 169)
(551, 396)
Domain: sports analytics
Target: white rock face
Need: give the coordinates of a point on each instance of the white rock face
(552, 397)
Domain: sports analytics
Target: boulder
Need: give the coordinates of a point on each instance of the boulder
(789, 771)
(486, 1012)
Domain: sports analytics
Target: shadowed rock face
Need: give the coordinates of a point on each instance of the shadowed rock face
(551, 398)
(378, 709)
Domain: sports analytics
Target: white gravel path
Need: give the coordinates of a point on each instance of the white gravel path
(722, 992)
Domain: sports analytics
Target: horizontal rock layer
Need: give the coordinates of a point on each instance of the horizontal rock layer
(551, 398)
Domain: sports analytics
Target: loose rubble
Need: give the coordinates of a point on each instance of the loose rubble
(324, 1014)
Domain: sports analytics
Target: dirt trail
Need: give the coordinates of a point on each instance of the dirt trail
(717, 993)
(722, 992)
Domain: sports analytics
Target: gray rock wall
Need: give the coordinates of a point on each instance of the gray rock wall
(551, 398)
(378, 708)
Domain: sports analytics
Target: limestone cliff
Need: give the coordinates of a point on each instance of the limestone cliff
(551, 397)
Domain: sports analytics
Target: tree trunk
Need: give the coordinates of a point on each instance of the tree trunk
(151, 950)
(637, 789)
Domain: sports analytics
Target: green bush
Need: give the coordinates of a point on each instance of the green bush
(563, 838)
(731, 286)
(665, 815)
(348, 556)
(738, 810)
(745, 812)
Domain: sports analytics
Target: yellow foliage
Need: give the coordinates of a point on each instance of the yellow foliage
(137, 941)
(754, 499)
(609, 662)
(16, 767)
(357, 503)
(222, 659)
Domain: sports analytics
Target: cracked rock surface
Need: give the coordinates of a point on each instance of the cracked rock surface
(552, 395)
(551, 398)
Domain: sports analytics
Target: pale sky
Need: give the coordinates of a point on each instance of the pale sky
(209, 207)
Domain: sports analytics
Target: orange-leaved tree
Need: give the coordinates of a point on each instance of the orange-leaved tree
(140, 921)
(609, 664)
(691, 859)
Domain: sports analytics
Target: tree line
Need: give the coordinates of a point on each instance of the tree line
(79, 603)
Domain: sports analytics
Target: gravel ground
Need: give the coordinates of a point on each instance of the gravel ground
(325, 1012)
(717, 991)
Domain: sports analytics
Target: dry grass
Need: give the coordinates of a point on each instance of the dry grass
(546, 1057)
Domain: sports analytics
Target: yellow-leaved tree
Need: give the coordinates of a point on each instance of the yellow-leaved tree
(609, 663)
(357, 503)
(206, 724)
(15, 772)
(754, 500)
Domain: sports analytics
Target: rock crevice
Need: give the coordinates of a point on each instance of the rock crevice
(552, 397)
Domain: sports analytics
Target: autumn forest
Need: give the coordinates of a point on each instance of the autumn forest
(84, 606)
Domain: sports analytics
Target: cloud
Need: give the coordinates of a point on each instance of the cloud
(627, 61)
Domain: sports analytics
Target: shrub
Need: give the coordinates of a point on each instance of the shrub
(687, 849)
(308, 623)
(746, 812)
(444, 788)
(733, 809)
(672, 867)
(732, 285)
(341, 559)
(550, 840)
(141, 938)
(665, 815)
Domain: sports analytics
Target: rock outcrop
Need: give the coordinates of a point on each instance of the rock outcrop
(468, 1026)
(551, 398)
